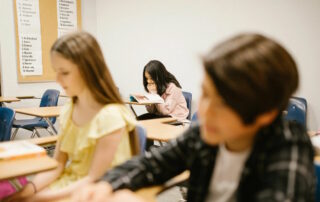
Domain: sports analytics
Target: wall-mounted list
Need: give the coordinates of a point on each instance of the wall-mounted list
(29, 33)
(67, 16)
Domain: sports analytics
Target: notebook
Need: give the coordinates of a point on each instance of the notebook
(20, 149)
(146, 98)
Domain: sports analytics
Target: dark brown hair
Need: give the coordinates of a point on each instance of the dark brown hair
(253, 74)
(159, 75)
(83, 50)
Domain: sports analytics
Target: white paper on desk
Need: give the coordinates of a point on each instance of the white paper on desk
(316, 143)
(20, 149)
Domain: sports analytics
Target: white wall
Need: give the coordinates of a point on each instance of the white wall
(177, 32)
(8, 61)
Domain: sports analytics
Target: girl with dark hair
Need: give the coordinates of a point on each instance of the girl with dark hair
(156, 79)
(95, 126)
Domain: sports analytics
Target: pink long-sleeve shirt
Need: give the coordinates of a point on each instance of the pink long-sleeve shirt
(174, 104)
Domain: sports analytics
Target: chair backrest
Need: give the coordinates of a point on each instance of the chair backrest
(50, 98)
(188, 97)
(194, 119)
(297, 110)
(317, 171)
(6, 120)
(142, 133)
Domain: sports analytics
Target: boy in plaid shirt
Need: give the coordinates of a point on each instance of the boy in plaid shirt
(242, 150)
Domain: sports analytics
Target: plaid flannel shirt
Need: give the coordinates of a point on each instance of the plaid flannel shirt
(279, 167)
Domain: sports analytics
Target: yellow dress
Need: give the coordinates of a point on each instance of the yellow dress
(79, 142)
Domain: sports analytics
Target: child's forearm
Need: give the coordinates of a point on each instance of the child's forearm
(42, 180)
(52, 195)
(39, 182)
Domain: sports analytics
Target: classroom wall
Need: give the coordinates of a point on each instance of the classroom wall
(178, 32)
(8, 60)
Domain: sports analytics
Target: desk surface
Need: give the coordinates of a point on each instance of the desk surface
(165, 133)
(158, 129)
(44, 112)
(44, 140)
(26, 97)
(149, 194)
(137, 103)
(18, 167)
(9, 99)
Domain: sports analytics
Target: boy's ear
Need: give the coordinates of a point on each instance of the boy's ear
(267, 117)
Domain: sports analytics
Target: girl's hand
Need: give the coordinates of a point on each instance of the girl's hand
(93, 192)
(152, 88)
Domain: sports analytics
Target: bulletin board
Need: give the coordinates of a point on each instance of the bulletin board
(49, 33)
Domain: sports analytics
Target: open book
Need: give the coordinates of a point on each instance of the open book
(20, 149)
(146, 98)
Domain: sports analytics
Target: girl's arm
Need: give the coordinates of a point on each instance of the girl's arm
(102, 158)
(170, 102)
(43, 179)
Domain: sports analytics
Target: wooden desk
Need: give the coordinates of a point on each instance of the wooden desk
(42, 141)
(8, 99)
(158, 129)
(26, 97)
(137, 103)
(43, 112)
(149, 194)
(18, 167)
(130, 103)
(63, 95)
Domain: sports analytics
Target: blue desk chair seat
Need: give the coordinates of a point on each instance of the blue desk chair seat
(297, 110)
(188, 97)
(49, 98)
(6, 120)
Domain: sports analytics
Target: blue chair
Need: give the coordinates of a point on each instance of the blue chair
(297, 110)
(49, 98)
(188, 97)
(142, 133)
(317, 171)
(194, 117)
(6, 120)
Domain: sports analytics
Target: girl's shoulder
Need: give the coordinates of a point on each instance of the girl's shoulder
(115, 112)
(171, 88)
(110, 118)
(114, 109)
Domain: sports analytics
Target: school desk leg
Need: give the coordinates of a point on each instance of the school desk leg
(51, 125)
(134, 112)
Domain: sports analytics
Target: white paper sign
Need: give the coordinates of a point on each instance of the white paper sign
(67, 16)
(29, 33)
